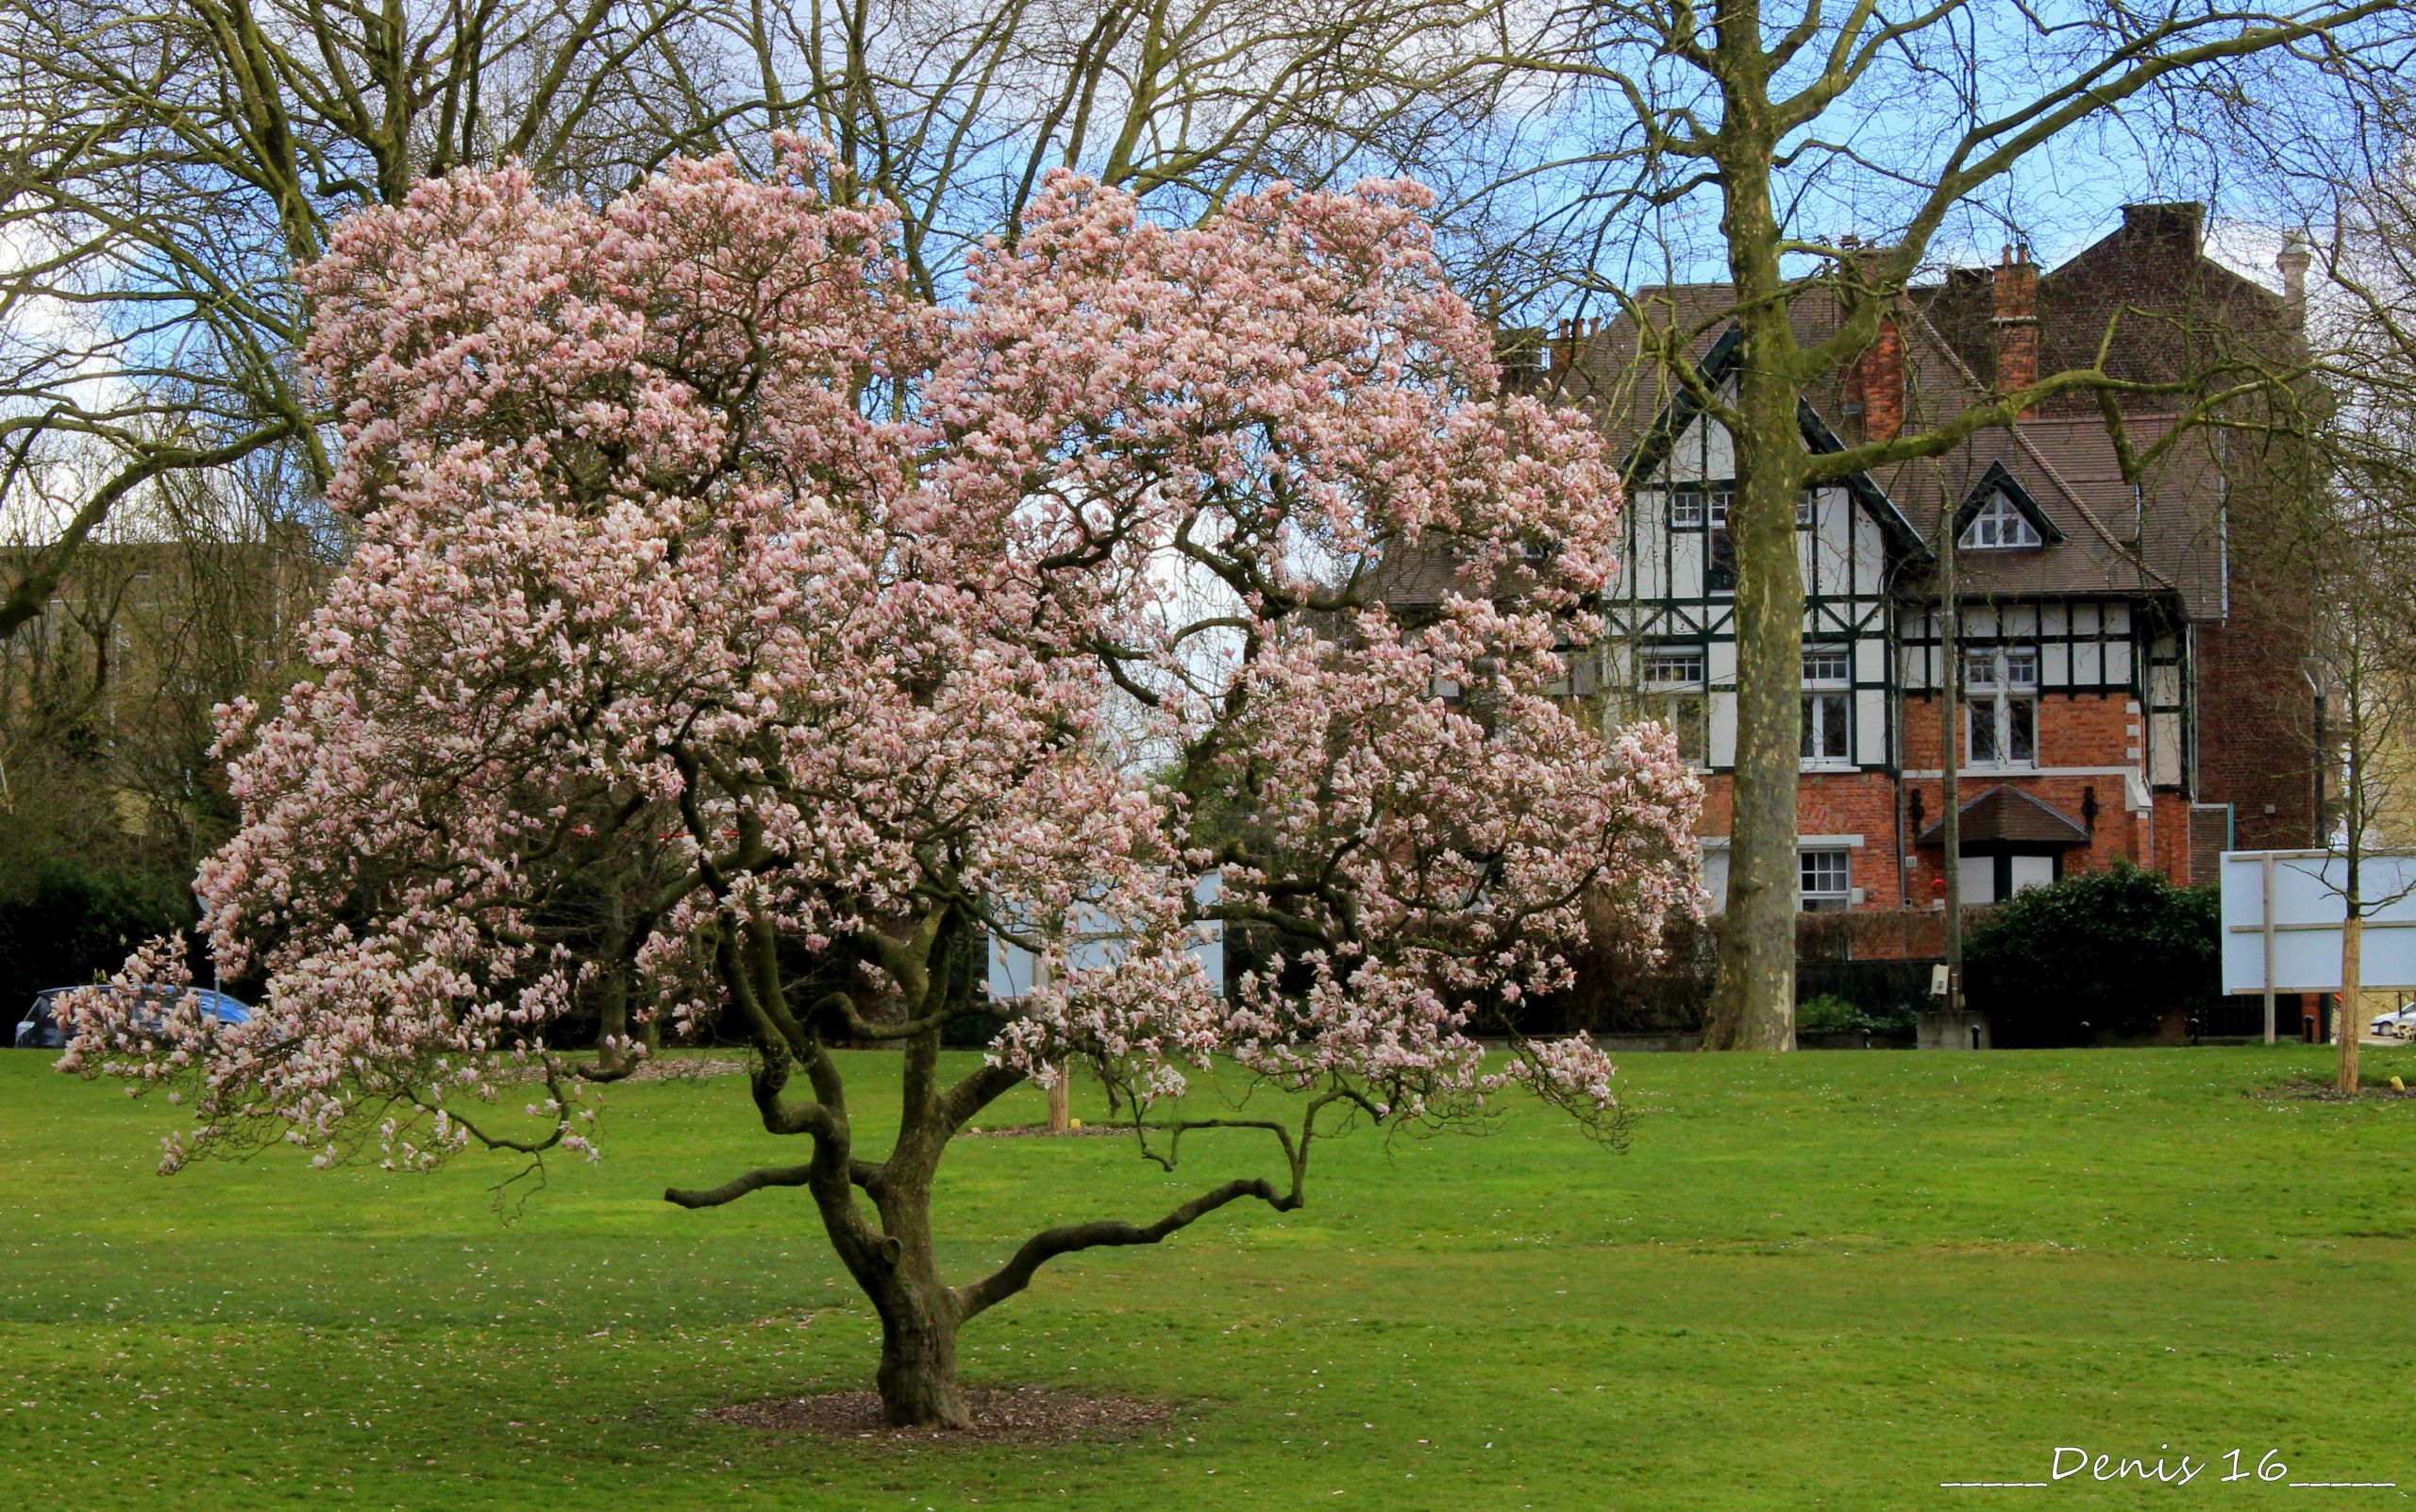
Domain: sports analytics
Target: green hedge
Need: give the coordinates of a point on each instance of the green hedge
(2111, 952)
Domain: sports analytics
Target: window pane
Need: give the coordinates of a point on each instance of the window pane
(1721, 577)
(2021, 730)
(1824, 727)
(1685, 507)
(1689, 717)
(1825, 880)
(2021, 668)
(1673, 666)
(2000, 524)
(1984, 731)
(1827, 664)
(1980, 670)
(1719, 500)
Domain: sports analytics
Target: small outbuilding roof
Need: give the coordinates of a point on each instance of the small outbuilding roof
(2003, 815)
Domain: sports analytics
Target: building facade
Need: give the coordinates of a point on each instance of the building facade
(2128, 688)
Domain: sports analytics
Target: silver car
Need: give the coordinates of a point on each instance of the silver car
(2400, 1025)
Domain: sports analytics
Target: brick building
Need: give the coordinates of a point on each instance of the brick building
(2129, 688)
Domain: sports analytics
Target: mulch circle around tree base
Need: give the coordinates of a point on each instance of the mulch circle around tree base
(1025, 1414)
(2326, 1092)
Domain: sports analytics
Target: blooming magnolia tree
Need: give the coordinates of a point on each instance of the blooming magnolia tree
(709, 583)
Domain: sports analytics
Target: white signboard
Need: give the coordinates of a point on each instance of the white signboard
(2282, 912)
(1099, 941)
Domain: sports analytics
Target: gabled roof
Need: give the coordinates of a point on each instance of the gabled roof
(1652, 449)
(1998, 480)
(2164, 539)
(2002, 814)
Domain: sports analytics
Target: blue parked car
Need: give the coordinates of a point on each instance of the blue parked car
(41, 1030)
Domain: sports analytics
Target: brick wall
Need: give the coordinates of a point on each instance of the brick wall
(1861, 803)
(2087, 729)
(2209, 837)
(2102, 730)
(2256, 727)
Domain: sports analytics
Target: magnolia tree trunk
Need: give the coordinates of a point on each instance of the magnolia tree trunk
(919, 1313)
(1752, 1005)
(919, 1324)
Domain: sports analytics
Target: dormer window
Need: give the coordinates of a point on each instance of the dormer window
(2000, 527)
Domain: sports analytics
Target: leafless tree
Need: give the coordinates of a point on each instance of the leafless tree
(164, 167)
(1751, 139)
(2347, 542)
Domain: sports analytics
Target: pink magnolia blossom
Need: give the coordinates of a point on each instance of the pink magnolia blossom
(710, 586)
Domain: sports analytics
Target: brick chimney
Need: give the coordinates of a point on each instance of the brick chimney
(2293, 263)
(2014, 324)
(1874, 385)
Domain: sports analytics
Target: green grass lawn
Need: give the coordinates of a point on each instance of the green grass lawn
(1829, 1280)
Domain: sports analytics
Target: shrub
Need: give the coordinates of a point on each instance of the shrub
(65, 923)
(1833, 1013)
(1826, 1014)
(2111, 952)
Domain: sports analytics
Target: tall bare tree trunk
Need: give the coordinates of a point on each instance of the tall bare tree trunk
(1752, 1004)
(1950, 639)
(2347, 1011)
(2345, 1015)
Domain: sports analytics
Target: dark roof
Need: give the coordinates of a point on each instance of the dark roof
(2164, 538)
(2002, 814)
(2176, 312)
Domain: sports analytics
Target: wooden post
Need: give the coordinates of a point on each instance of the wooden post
(2269, 947)
(1061, 1097)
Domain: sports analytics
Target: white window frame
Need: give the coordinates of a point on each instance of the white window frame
(1999, 699)
(1673, 683)
(2001, 525)
(1807, 508)
(1823, 878)
(1828, 706)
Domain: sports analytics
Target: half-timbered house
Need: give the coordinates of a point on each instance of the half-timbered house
(2127, 689)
